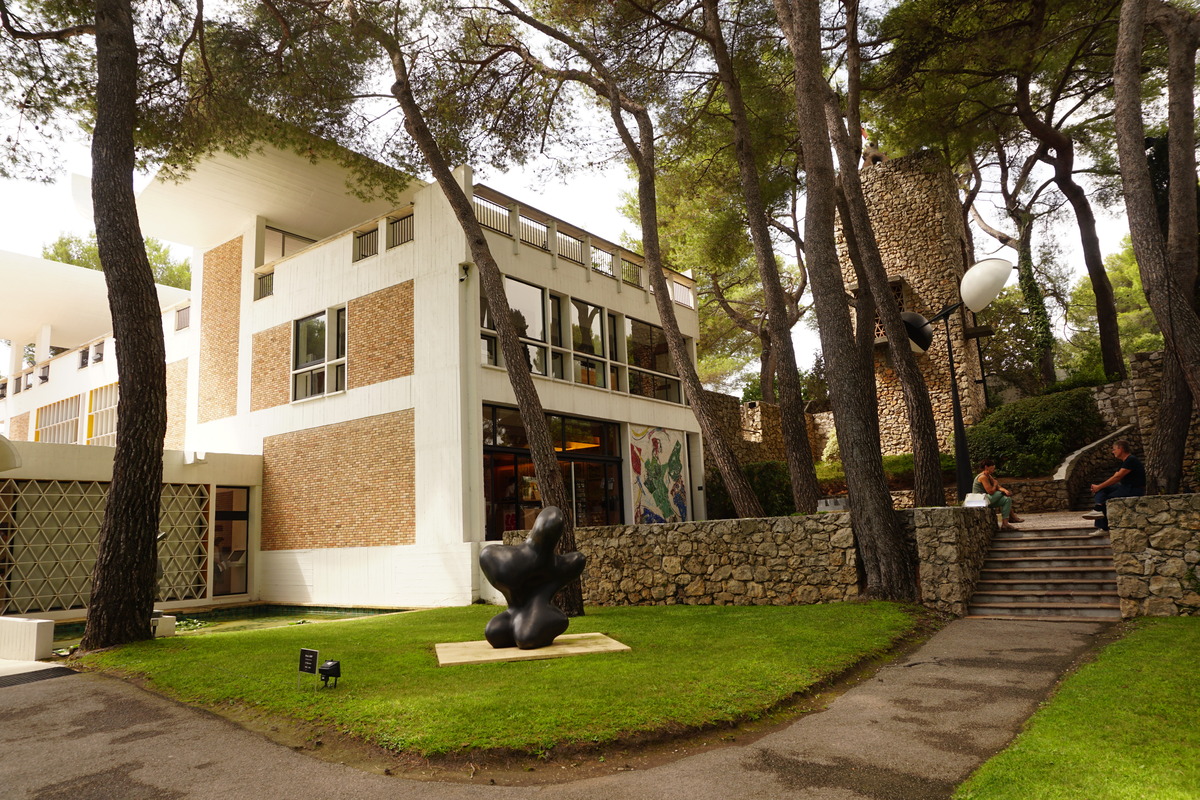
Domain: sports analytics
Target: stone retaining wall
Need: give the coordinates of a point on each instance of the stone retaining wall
(951, 546)
(1037, 494)
(1156, 547)
(772, 561)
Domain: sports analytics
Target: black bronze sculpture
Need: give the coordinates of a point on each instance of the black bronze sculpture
(528, 575)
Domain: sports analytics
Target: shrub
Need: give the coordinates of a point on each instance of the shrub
(1031, 437)
(770, 482)
(832, 451)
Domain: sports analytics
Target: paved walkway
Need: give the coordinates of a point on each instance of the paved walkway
(911, 732)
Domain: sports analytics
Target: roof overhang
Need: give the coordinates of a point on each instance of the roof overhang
(223, 194)
(72, 300)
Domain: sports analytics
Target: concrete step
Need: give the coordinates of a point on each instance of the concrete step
(1079, 610)
(1033, 562)
(1063, 585)
(1095, 573)
(1040, 596)
(1084, 529)
(1097, 538)
(1050, 551)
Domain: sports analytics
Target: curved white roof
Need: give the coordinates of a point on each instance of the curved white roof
(72, 300)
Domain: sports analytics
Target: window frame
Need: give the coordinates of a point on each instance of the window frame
(329, 371)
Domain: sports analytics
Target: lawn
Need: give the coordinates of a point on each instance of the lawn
(690, 666)
(1125, 726)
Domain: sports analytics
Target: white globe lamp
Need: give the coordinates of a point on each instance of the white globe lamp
(983, 281)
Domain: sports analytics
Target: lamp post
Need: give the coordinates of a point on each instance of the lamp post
(980, 286)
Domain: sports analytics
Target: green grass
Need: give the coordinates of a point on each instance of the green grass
(1125, 726)
(689, 666)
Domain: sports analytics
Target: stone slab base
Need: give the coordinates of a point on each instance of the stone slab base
(569, 644)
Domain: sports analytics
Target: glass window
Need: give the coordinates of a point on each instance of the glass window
(588, 455)
(584, 435)
(612, 338)
(319, 360)
(586, 323)
(231, 530)
(557, 368)
(589, 372)
(535, 357)
(277, 244)
(487, 350)
(526, 303)
(310, 341)
(485, 312)
(556, 320)
(489, 425)
(646, 347)
(510, 430)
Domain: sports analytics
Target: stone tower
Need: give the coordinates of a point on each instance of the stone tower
(917, 216)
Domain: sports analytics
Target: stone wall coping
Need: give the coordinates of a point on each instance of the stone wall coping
(1064, 469)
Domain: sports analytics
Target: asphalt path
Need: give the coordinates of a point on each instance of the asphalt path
(913, 731)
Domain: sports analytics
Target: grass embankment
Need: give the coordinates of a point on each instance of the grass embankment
(1125, 726)
(690, 666)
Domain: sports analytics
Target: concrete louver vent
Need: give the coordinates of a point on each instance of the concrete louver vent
(49, 532)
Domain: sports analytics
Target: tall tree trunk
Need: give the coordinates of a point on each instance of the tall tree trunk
(641, 150)
(766, 368)
(889, 560)
(745, 502)
(928, 488)
(1169, 297)
(123, 579)
(791, 399)
(1035, 301)
(1167, 446)
(529, 405)
(1061, 157)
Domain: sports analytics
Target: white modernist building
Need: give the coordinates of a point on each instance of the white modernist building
(342, 350)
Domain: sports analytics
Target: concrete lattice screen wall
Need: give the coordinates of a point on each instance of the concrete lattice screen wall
(219, 323)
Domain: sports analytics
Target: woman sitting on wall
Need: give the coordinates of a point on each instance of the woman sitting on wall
(998, 497)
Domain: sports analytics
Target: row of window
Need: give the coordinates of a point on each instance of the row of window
(565, 335)
(92, 354)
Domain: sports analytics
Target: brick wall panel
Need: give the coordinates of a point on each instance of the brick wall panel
(18, 428)
(350, 484)
(176, 404)
(219, 330)
(270, 371)
(380, 336)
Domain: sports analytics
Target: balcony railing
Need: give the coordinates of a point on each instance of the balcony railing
(491, 215)
(399, 230)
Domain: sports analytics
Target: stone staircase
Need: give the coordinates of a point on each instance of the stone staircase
(1051, 574)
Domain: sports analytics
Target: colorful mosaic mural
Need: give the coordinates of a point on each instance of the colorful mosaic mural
(660, 491)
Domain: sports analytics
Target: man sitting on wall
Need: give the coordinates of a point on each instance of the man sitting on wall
(1128, 481)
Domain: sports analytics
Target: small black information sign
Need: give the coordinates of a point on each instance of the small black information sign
(308, 661)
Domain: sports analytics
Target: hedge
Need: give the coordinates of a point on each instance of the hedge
(1031, 437)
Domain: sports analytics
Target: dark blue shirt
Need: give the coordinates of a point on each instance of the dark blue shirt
(1136, 478)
